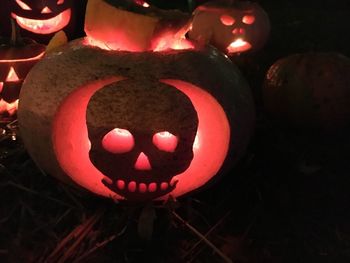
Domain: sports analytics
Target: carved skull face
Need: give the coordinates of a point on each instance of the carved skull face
(148, 141)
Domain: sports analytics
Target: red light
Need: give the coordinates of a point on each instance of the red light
(248, 19)
(227, 20)
(12, 76)
(46, 10)
(165, 141)
(46, 26)
(142, 162)
(118, 141)
(23, 5)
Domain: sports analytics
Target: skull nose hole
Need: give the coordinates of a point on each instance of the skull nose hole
(46, 10)
(142, 162)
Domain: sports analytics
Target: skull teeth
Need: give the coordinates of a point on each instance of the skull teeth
(133, 186)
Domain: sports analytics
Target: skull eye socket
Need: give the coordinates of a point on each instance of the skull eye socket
(23, 5)
(248, 19)
(60, 2)
(227, 20)
(165, 141)
(118, 141)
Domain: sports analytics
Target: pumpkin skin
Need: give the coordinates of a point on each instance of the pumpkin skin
(309, 90)
(83, 105)
(15, 62)
(232, 28)
(41, 19)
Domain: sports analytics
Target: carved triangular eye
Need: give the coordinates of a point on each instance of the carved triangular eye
(23, 5)
(248, 19)
(60, 2)
(12, 76)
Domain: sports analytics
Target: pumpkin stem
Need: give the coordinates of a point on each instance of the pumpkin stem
(15, 36)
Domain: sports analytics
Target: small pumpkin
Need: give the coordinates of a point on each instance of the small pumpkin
(309, 90)
(236, 27)
(17, 57)
(133, 25)
(41, 19)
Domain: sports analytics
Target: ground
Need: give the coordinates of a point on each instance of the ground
(285, 201)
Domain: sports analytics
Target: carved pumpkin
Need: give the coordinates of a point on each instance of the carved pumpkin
(17, 57)
(309, 90)
(41, 19)
(232, 28)
(135, 125)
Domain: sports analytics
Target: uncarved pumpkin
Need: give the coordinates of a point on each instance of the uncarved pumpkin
(310, 90)
(135, 125)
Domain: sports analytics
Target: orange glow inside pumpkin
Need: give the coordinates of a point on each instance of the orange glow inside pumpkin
(9, 108)
(118, 141)
(142, 163)
(166, 41)
(142, 3)
(72, 147)
(22, 59)
(227, 20)
(165, 141)
(12, 76)
(46, 26)
(239, 45)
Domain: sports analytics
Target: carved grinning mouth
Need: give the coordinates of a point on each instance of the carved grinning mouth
(138, 189)
(239, 45)
(46, 26)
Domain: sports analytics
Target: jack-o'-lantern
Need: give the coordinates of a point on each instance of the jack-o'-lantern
(135, 126)
(17, 57)
(233, 28)
(41, 19)
(309, 90)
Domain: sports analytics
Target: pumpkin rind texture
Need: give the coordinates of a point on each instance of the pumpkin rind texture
(235, 28)
(135, 125)
(309, 90)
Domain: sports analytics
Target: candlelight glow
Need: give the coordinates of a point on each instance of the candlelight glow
(46, 26)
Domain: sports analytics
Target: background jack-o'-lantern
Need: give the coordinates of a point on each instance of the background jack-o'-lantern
(236, 27)
(17, 57)
(41, 19)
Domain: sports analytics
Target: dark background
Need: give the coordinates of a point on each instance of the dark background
(286, 201)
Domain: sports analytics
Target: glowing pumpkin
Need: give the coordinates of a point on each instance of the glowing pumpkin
(309, 90)
(135, 125)
(232, 28)
(17, 57)
(41, 19)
